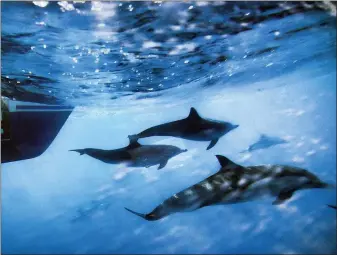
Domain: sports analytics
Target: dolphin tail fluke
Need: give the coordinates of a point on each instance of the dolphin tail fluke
(80, 151)
(133, 141)
(136, 213)
(133, 138)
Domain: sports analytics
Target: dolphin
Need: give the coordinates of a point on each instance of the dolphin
(264, 142)
(135, 154)
(193, 127)
(234, 183)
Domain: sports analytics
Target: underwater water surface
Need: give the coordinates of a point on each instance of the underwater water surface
(269, 67)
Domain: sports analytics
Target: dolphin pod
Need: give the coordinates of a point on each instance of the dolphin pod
(234, 183)
(193, 127)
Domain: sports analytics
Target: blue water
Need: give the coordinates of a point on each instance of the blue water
(269, 67)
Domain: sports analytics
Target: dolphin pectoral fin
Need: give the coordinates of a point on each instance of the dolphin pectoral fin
(162, 165)
(283, 196)
(212, 143)
(80, 151)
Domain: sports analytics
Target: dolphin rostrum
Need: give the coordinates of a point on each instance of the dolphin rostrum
(234, 183)
(135, 154)
(193, 127)
(264, 142)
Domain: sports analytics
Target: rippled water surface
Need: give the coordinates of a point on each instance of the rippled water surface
(269, 67)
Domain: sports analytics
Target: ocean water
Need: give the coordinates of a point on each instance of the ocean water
(125, 66)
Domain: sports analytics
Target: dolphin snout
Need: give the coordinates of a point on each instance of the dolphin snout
(325, 185)
(235, 126)
(330, 186)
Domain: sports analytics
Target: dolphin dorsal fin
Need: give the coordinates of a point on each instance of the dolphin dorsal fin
(226, 162)
(133, 142)
(263, 137)
(193, 114)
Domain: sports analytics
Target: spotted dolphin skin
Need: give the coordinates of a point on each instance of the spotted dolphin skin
(236, 184)
(135, 154)
(194, 127)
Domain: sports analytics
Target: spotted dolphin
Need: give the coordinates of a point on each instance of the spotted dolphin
(193, 127)
(135, 154)
(264, 142)
(234, 183)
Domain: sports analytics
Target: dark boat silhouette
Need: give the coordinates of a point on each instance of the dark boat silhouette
(28, 129)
